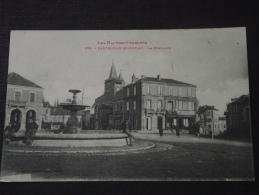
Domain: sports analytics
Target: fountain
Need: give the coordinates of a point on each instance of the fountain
(72, 122)
(71, 137)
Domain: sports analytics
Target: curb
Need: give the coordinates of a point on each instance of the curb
(98, 152)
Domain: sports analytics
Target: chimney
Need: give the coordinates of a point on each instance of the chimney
(143, 76)
(159, 77)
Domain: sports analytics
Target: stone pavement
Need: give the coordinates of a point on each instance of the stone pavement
(185, 137)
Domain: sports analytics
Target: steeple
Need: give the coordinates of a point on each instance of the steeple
(120, 76)
(113, 72)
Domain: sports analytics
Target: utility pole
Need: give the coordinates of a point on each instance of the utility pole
(212, 132)
(83, 96)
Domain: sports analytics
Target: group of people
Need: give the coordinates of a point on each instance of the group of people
(177, 131)
(13, 127)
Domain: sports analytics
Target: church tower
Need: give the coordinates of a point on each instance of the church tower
(113, 83)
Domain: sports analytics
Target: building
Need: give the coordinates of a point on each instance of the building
(238, 117)
(209, 120)
(24, 99)
(60, 116)
(222, 125)
(149, 103)
(103, 106)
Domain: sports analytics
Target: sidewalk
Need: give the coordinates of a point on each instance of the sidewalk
(185, 137)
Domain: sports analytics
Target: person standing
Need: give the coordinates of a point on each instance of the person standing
(178, 132)
(9, 130)
(161, 131)
(31, 128)
(128, 131)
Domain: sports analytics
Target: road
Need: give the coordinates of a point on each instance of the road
(186, 160)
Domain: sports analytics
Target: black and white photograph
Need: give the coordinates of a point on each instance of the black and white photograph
(128, 105)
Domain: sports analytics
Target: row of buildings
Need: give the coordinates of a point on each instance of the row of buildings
(150, 103)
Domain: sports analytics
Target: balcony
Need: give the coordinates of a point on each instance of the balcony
(149, 111)
(15, 103)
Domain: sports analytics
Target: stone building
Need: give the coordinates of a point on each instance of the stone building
(103, 106)
(238, 117)
(149, 103)
(24, 99)
(152, 103)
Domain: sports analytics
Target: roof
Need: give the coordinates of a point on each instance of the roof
(164, 80)
(113, 74)
(241, 99)
(16, 79)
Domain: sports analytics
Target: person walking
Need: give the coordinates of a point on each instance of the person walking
(31, 128)
(128, 131)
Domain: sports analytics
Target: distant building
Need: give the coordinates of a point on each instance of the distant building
(149, 103)
(24, 99)
(59, 116)
(222, 125)
(238, 117)
(209, 120)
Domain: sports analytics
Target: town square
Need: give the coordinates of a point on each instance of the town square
(128, 112)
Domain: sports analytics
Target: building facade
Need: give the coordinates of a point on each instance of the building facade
(153, 103)
(238, 117)
(24, 99)
(103, 106)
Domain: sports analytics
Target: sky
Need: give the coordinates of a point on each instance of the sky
(215, 60)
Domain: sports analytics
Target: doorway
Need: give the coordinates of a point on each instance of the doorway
(149, 122)
(159, 122)
(30, 114)
(16, 117)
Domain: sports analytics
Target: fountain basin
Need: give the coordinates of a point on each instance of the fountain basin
(73, 140)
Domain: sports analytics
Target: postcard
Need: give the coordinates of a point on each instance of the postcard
(128, 105)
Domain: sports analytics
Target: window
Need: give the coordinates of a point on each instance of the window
(135, 90)
(46, 111)
(193, 92)
(185, 122)
(175, 91)
(127, 105)
(32, 97)
(148, 104)
(189, 92)
(134, 105)
(170, 106)
(159, 90)
(185, 105)
(171, 91)
(128, 92)
(190, 106)
(115, 107)
(180, 90)
(180, 105)
(184, 92)
(148, 89)
(159, 105)
(18, 95)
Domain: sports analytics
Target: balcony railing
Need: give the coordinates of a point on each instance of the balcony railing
(16, 103)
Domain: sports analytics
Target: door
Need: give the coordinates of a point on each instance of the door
(149, 123)
(159, 122)
(16, 117)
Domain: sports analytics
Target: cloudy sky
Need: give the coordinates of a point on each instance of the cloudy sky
(213, 59)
